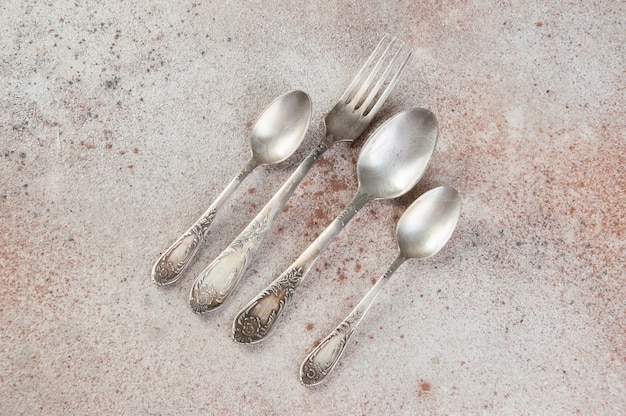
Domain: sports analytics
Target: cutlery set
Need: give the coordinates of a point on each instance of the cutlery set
(390, 164)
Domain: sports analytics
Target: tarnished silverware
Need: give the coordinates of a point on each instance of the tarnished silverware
(391, 162)
(278, 132)
(345, 122)
(423, 230)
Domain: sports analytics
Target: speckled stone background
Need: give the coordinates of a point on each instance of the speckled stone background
(121, 121)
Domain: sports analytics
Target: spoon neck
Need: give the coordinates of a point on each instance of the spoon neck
(232, 185)
(250, 166)
(393, 267)
(353, 207)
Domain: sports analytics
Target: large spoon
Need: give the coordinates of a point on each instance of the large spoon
(278, 132)
(423, 230)
(390, 164)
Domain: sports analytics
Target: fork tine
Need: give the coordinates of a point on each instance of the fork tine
(387, 91)
(357, 79)
(366, 84)
(381, 81)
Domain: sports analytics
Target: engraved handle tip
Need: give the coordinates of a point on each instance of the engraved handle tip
(204, 299)
(248, 329)
(169, 267)
(215, 284)
(323, 358)
(256, 320)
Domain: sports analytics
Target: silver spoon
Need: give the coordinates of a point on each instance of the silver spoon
(423, 230)
(390, 164)
(278, 132)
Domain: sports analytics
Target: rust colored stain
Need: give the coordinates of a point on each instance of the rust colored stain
(338, 184)
(310, 326)
(317, 219)
(86, 145)
(324, 164)
(424, 388)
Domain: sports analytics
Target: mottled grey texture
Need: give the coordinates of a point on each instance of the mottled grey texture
(120, 121)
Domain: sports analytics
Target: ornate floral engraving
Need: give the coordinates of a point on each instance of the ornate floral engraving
(167, 270)
(315, 368)
(255, 231)
(250, 326)
(286, 283)
(247, 329)
(205, 298)
(206, 221)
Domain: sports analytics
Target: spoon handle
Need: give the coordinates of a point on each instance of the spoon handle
(177, 257)
(258, 317)
(217, 281)
(320, 362)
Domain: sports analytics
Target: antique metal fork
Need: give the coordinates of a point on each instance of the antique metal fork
(352, 114)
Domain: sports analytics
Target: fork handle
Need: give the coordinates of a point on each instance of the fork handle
(320, 362)
(169, 267)
(215, 284)
(257, 318)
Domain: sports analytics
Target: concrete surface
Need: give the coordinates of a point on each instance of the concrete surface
(120, 121)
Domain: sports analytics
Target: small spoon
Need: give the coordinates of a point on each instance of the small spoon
(390, 164)
(278, 132)
(423, 230)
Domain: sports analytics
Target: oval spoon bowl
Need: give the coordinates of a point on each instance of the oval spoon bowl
(394, 159)
(281, 128)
